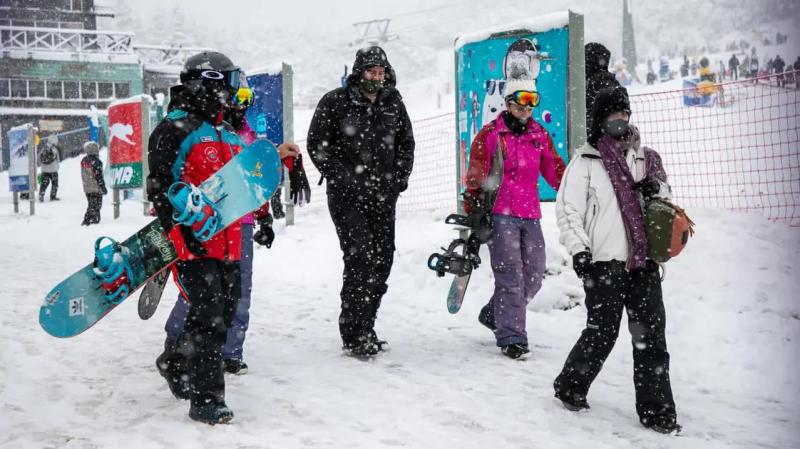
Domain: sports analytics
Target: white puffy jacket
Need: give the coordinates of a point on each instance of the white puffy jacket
(587, 211)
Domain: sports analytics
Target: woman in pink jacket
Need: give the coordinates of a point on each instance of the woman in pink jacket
(517, 244)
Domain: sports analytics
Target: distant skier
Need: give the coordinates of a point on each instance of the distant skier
(50, 157)
(517, 243)
(361, 141)
(796, 74)
(597, 76)
(94, 186)
(599, 213)
(753, 67)
(733, 65)
(778, 64)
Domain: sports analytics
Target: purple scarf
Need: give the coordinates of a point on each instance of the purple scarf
(612, 152)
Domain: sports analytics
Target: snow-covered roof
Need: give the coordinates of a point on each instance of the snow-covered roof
(534, 25)
(133, 99)
(131, 58)
(272, 69)
(162, 68)
(18, 127)
(48, 111)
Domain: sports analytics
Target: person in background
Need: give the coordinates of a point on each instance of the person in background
(778, 64)
(733, 65)
(50, 157)
(94, 186)
(516, 245)
(597, 76)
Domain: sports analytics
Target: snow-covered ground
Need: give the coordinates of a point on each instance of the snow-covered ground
(733, 331)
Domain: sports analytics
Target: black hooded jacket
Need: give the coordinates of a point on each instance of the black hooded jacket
(365, 150)
(597, 76)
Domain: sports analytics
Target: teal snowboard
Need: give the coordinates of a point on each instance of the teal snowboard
(241, 186)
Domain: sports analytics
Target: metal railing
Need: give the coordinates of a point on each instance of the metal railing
(162, 55)
(63, 40)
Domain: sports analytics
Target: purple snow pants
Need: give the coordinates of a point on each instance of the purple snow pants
(518, 261)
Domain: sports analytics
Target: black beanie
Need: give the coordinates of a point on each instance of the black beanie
(607, 101)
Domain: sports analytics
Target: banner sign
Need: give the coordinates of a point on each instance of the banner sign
(265, 116)
(18, 168)
(125, 143)
(537, 50)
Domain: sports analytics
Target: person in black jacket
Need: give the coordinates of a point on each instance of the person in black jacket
(733, 65)
(361, 141)
(94, 186)
(597, 76)
(778, 65)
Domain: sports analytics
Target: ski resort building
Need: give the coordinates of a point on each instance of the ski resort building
(56, 67)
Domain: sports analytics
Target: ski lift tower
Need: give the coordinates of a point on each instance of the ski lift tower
(629, 40)
(373, 32)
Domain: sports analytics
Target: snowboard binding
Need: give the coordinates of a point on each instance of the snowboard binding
(193, 208)
(453, 261)
(112, 267)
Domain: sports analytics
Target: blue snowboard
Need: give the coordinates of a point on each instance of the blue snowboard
(241, 186)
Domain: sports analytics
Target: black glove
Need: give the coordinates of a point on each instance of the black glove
(265, 235)
(276, 205)
(581, 262)
(299, 190)
(190, 241)
(648, 187)
(104, 190)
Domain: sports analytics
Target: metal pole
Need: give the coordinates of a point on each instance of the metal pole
(16, 202)
(576, 80)
(288, 134)
(145, 142)
(32, 168)
(115, 202)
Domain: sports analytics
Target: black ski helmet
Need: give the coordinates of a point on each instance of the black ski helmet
(211, 71)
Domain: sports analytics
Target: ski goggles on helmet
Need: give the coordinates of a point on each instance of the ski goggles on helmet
(525, 98)
(231, 79)
(244, 97)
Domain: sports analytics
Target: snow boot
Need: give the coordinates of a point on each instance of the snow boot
(574, 402)
(171, 366)
(365, 347)
(665, 424)
(515, 351)
(235, 366)
(211, 413)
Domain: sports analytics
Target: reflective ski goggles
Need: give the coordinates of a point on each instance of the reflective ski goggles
(525, 98)
(231, 78)
(244, 97)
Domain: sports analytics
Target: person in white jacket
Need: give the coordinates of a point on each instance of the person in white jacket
(600, 217)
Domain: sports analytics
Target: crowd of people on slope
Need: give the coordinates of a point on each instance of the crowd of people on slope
(362, 142)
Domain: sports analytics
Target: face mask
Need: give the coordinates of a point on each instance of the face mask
(615, 128)
(370, 86)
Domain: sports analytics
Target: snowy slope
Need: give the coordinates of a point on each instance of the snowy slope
(733, 331)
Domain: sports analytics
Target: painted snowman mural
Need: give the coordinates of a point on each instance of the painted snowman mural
(522, 62)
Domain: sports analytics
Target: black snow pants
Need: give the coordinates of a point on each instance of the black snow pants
(609, 288)
(95, 202)
(213, 288)
(46, 179)
(366, 237)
